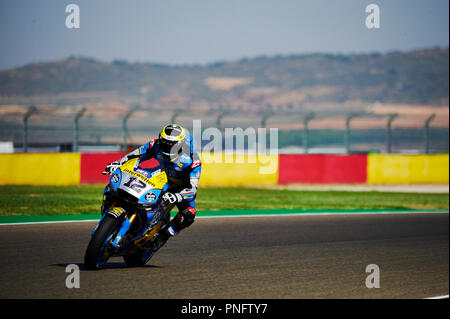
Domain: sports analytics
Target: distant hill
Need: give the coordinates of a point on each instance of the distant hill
(417, 77)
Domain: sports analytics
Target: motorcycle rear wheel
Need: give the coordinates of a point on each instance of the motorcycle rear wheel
(93, 258)
(138, 259)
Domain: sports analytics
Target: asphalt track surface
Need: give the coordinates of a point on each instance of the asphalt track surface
(310, 256)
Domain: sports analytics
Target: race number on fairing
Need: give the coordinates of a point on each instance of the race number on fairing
(135, 184)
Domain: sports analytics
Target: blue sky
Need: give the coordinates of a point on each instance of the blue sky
(206, 31)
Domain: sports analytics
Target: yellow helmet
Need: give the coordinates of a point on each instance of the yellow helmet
(171, 141)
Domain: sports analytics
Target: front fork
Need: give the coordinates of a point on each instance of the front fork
(123, 230)
(148, 230)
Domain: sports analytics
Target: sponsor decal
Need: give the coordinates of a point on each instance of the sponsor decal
(150, 197)
(141, 171)
(196, 163)
(144, 178)
(156, 218)
(116, 211)
(184, 158)
(115, 178)
(156, 172)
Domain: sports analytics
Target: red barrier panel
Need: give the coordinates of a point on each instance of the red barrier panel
(92, 166)
(296, 168)
(320, 168)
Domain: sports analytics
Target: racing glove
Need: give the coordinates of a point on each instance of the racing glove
(111, 167)
(171, 198)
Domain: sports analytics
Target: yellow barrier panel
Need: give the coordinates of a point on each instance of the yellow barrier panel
(408, 169)
(238, 170)
(40, 169)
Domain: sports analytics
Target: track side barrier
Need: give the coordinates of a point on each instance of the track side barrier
(408, 169)
(322, 169)
(92, 166)
(59, 169)
(238, 170)
(217, 170)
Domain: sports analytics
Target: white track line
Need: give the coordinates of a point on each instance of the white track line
(259, 215)
(325, 214)
(52, 222)
(438, 297)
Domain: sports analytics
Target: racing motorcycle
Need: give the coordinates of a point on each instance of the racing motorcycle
(131, 221)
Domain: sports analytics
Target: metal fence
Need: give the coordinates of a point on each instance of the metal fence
(85, 129)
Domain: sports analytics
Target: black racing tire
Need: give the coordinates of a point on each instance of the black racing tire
(95, 248)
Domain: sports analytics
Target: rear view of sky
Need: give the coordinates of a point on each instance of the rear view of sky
(205, 31)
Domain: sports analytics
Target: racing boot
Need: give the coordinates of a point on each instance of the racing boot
(161, 238)
(182, 220)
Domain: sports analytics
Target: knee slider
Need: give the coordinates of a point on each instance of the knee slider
(184, 218)
(189, 215)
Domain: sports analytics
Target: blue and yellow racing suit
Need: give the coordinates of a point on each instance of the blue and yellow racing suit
(183, 174)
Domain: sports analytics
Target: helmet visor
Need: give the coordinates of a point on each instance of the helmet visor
(169, 150)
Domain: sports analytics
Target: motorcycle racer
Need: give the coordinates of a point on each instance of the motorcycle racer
(174, 150)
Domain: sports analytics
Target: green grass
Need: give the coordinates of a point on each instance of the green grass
(234, 198)
(51, 200)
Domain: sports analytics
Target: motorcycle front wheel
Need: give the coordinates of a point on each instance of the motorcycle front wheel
(96, 255)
